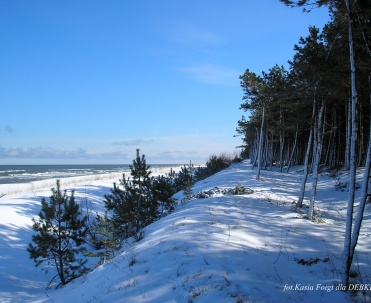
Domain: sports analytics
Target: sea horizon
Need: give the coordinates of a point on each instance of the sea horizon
(25, 173)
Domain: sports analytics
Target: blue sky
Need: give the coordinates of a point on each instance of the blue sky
(90, 81)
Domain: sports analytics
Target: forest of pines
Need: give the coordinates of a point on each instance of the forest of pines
(317, 113)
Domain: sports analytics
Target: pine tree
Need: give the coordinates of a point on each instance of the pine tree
(140, 186)
(162, 194)
(185, 180)
(103, 239)
(123, 203)
(349, 20)
(132, 205)
(61, 232)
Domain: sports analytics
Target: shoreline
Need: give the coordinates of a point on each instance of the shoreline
(16, 188)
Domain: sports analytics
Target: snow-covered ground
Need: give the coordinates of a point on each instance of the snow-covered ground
(226, 248)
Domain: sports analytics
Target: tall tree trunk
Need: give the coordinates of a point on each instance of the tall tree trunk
(347, 136)
(317, 158)
(364, 191)
(331, 140)
(265, 151)
(347, 261)
(315, 142)
(260, 144)
(360, 141)
(306, 160)
(271, 153)
(359, 217)
(368, 193)
(282, 140)
(293, 148)
(281, 151)
(255, 149)
(334, 146)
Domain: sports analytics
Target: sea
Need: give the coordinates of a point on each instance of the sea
(10, 174)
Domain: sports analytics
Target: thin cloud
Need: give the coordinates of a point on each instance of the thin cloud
(175, 157)
(131, 142)
(51, 153)
(7, 129)
(212, 74)
(40, 153)
(167, 149)
(195, 36)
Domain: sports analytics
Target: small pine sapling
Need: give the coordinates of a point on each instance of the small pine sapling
(188, 181)
(131, 205)
(103, 239)
(162, 195)
(61, 234)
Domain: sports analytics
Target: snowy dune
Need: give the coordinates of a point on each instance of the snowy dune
(20, 280)
(244, 248)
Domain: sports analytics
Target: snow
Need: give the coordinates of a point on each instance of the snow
(225, 248)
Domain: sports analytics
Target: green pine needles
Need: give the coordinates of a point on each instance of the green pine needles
(103, 239)
(188, 181)
(61, 234)
(139, 200)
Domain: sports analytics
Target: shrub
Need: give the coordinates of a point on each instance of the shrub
(61, 232)
(214, 165)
